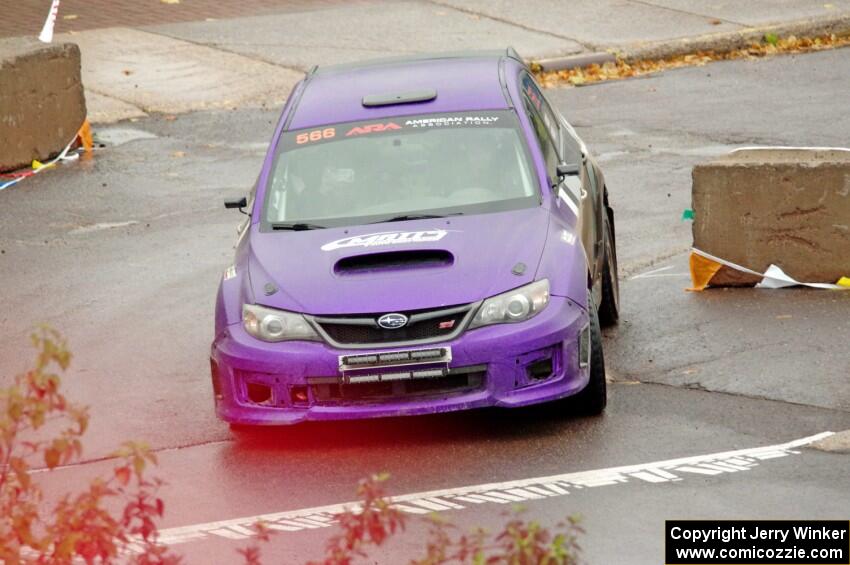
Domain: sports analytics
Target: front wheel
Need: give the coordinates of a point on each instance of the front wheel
(594, 397)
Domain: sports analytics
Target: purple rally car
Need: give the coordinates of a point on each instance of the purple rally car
(427, 234)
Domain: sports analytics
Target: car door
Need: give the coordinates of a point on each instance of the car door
(578, 193)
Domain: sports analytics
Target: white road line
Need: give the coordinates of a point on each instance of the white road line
(699, 470)
(505, 496)
(657, 274)
(286, 526)
(648, 477)
(554, 488)
(443, 502)
(664, 474)
(662, 275)
(502, 493)
(431, 505)
(539, 490)
(525, 493)
(652, 272)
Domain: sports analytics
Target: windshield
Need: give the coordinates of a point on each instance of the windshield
(435, 164)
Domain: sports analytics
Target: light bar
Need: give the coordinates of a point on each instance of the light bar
(395, 358)
(402, 376)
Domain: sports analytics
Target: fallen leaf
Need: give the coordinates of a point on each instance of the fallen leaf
(771, 44)
(715, 22)
(170, 1)
(179, 154)
(70, 17)
(784, 317)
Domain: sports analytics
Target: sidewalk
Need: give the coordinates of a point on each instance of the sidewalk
(80, 15)
(253, 59)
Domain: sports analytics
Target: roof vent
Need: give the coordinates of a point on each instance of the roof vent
(410, 97)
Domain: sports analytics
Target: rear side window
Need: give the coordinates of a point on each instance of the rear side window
(570, 148)
(544, 123)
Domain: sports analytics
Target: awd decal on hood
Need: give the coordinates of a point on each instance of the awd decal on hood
(386, 238)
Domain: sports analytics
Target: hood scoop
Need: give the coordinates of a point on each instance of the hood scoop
(394, 261)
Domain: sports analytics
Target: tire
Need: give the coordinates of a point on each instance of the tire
(609, 307)
(592, 400)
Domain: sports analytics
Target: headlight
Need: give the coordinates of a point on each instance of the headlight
(269, 324)
(516, 305)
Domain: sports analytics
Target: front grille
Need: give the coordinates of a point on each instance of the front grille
(423, 325)
(340, 393)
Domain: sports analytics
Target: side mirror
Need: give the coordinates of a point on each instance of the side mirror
(239, 203)
(565, 170)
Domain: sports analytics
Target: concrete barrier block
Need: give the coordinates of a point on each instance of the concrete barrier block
(42, 104)
(786, 206)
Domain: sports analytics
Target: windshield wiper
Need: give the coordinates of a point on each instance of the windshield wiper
(297, 226)
(406, 217)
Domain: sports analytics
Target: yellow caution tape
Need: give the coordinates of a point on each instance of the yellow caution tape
(704, 266)
(36, 165)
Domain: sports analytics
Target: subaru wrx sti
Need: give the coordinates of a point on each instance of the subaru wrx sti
(426, 234)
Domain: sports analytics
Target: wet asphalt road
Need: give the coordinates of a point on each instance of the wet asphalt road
(123, 254)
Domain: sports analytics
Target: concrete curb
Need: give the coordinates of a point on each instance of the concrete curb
(729, 41)
(718, 42)
(574, 61)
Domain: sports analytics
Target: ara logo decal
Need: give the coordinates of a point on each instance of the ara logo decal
(372, 128)
(386, 238)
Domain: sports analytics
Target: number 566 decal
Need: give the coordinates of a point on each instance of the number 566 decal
(315, 135)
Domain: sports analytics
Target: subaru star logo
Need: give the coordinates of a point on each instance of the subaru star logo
(392, 321)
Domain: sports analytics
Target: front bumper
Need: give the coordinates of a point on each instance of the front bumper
(507, 365)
